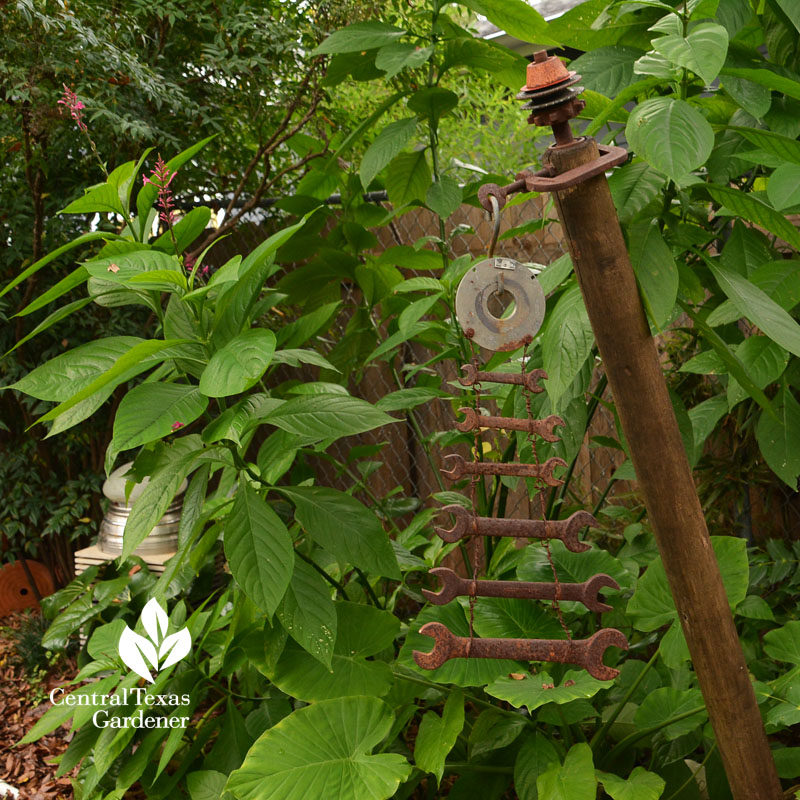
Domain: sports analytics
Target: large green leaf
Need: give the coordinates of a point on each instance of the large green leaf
(345, 527)
(764, 360)
(328, 416)
(535, 757)
(74, 370)
(764, 76)
(703, 51)
(633, 186)
(666, 703)
(259, 549)
(397, 56)
(778, 439)
(323, 751)
(152, 411)
(534, 691)
(574, 780)
(774, 143)
(783, 644)
(757, 306)
(783, 188)
(640, 785)
(66, 284)
(432, 103)
(567, 342)
(357, 37)
(510, 618)
(671, 135)
(656, 271)
(124, 266)
(437, 735)
(493, 730)
(607, 69)
(239, 364)
(408, 178)
(443, 197)
(754, 210)
(651, 605)
(105, 197)
(388, 143)
(308, 613)
(362, 632)
(515, 17)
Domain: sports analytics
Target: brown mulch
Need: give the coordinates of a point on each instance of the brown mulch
(23, 699)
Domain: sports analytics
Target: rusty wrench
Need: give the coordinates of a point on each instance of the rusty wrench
(529, 379)
(543, 471)
(565, 529)
(454, 585)
(539, 427)
(585, 653)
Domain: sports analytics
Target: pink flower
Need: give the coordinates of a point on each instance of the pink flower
(176, 426)
(75, 106)
(161, 177)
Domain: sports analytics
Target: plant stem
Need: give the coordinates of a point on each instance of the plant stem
(369, 590)
(693, 776)
(600, 735)
(331, 580)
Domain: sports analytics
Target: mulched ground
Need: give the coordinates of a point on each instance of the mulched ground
(23, 699)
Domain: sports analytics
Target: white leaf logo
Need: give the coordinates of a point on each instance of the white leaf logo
(137, 651)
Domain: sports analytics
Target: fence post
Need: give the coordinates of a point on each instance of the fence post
(632, 365)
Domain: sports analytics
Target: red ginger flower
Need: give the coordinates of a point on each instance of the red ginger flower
(161, 177)
(70, 100)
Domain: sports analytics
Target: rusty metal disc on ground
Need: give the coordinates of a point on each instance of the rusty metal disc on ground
(482, 295)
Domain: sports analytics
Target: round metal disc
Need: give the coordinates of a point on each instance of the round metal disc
(473, 297)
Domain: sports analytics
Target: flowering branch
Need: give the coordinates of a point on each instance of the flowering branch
(161, 177)
(75, 106)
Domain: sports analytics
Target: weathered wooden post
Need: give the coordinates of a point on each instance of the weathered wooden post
(576, 177)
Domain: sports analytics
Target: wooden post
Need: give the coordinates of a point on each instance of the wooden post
(631, 362)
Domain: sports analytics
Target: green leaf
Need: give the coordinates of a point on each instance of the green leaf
(783, 644)
(752, 97)
(783, 188)
(757, 306)
(651, 605)
(444, 197)
(555, 273)
(397, 56)
(296, 357)
(105, 197)
(607, 70)
(664, 704)
(388, 144)
(66, 284)
(640, 785)
(765, 362)
(535, 757)
(656, 271)
(358, 37)
(494, 730)
(259, 549)
(239, 364)
(432, 103)
(437, 735)
(575, 780)
(207, 785)
(185, 231)
(704, 418)
(150, 411)
(533, 690)
(567, 342)
(323, 751)
(755, 607)
(703, 51)
(328, 416)
(149, 352)
(633, 186)
(516, 18)
(406, 399)
(754, 210)
(408, 178)
(344, 527)
(671, 135)
(510, 618)
(362, 632)
(778, 439)
(308, 614)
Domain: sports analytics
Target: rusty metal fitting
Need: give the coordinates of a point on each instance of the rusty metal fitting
(545, 71)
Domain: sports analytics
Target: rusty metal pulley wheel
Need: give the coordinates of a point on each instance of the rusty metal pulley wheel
(479, 304)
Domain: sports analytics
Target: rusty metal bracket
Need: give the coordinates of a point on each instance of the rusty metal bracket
(537, 427)
(585, 653)
(545, 180)
(454, 585)
(461, 467)
(565, 529)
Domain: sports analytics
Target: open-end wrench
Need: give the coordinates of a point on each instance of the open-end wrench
(454, 585)
(539, 427)
(585, 653)
(565, 529)
(461, 467)
(530, 379)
